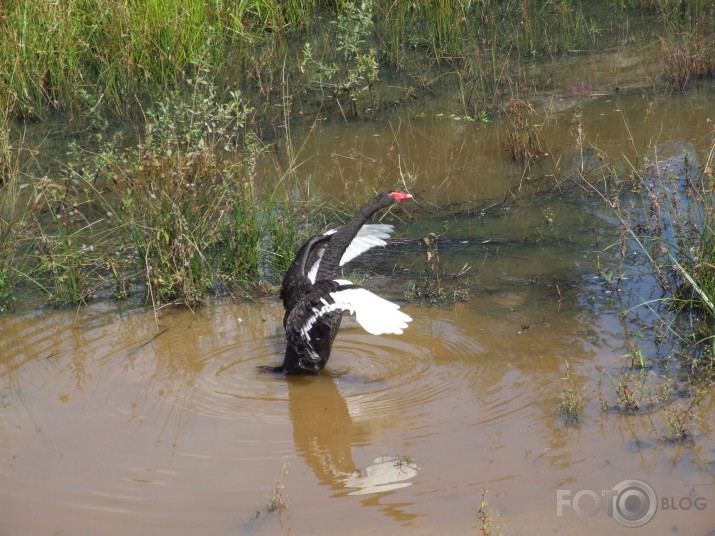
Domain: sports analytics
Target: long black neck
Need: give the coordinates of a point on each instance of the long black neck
(330, 263)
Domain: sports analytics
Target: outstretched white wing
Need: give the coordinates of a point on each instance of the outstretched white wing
(369, 236)
(375, 314)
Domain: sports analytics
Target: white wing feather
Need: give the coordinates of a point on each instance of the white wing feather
(369, 236)
(375, 314)
(313, 272)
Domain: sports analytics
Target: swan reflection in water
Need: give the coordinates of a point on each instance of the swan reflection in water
(325, 432)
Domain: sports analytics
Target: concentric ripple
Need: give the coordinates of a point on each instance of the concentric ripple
(436, 362)
(232, 385)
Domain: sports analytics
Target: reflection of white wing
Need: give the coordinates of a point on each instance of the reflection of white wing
(369, 236)
(375, 314)
(386, 474)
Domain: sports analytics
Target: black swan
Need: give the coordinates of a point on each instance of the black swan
(315, 300)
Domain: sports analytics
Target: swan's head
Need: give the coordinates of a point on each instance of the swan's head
(399, 196)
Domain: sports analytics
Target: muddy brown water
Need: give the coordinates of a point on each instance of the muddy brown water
(112, 423)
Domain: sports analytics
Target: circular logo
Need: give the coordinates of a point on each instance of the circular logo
(634, 504)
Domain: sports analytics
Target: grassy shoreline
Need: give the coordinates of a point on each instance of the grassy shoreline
(111, 58)
(180, 210)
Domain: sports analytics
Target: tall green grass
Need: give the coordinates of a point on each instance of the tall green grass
(112, 57)
(10, 219)
(175, 216)
(79, 54)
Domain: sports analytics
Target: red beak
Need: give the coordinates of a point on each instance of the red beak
(400, 196)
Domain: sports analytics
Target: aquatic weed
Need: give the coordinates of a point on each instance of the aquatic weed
(276, 501)
(687, 47)
(485, 518)
(434, 286)
(572, 401)
(639, 390)
(680, 419)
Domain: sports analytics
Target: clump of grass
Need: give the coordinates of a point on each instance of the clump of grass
(192, 212)
(434, 287)
(687, 47)
(275, 501)
(12, 212)
(178, 211)
(61, 242)
(638, 391)
(572, 400)
(680, 225)
(680, 419)
(525, 141)
(687, 57)
(60, 250)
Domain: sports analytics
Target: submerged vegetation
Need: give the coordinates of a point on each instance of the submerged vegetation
(667, 227)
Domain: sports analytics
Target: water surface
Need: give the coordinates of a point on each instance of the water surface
(116, 421)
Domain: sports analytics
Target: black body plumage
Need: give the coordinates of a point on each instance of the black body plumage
(314, 300)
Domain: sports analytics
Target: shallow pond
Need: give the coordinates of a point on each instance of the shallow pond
(114, 421)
